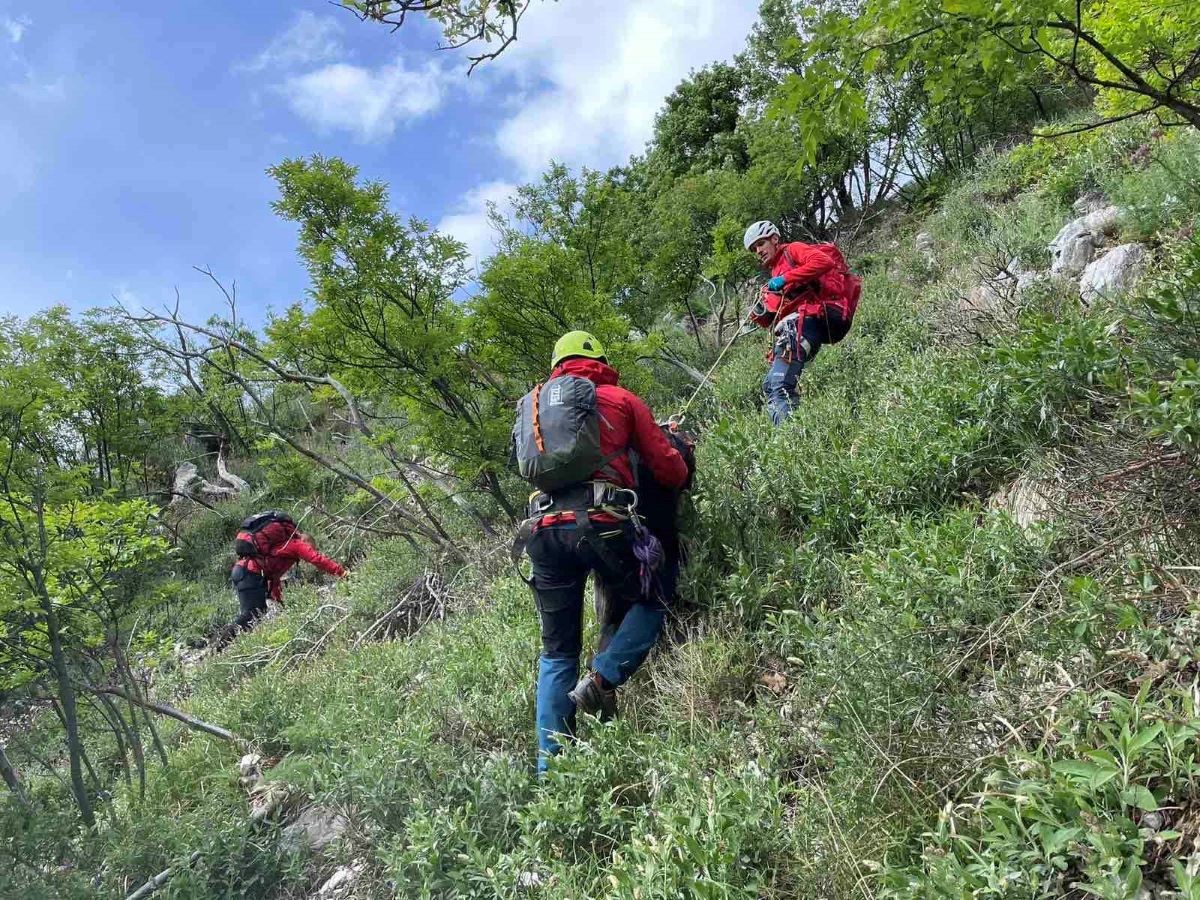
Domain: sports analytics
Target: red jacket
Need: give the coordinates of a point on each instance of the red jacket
(812, 279)
(625, 423)
(275, 564)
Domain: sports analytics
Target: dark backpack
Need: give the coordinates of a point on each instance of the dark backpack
(556, 438)
(249, 544)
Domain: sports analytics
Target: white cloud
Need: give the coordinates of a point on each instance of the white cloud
(310, 39)
(468, 221)
(15, 29)
(37, 92)
(592, 100)
(368, 103)
(126, 297)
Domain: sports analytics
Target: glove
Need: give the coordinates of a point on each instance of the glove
(775, 284)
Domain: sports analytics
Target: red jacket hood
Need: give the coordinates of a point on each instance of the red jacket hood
(592, 369)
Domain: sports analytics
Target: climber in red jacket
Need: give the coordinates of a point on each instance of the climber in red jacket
(265, 553)
(587, 527)
(808, 302)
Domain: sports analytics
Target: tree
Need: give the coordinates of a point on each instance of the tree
(563, 263)
(110, 394)
(696, 130)
(1141, 56)
(275, 391)
(387, 322)
(463, 22)
(67, 564)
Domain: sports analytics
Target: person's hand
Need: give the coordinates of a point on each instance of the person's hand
(775, 284)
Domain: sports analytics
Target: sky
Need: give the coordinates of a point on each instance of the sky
(135, 137)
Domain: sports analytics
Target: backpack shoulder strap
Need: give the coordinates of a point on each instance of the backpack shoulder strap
(536, 422)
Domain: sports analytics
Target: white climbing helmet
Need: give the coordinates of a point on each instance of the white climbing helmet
(758, 231)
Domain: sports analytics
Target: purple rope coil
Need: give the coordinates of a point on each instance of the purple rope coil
(649, 552)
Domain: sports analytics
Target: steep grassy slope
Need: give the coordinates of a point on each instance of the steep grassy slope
(881, 684)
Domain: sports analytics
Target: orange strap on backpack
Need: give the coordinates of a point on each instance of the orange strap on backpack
(537, 425)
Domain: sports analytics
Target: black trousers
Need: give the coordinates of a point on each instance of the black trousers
(251, 590)
(562, 559)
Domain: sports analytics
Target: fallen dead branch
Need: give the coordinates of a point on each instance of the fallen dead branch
(160, 879)
(424, 601)
(178, 715)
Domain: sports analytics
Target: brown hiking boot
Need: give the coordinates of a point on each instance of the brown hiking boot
(592, 697)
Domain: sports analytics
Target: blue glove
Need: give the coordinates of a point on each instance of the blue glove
(775, 284)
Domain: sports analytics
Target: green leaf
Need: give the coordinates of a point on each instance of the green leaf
(1139, 796)
(1144, 737)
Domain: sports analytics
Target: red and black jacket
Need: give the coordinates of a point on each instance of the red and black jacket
(286, 550)
(625, 423)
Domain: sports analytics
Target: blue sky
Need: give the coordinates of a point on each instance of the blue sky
(134, 137)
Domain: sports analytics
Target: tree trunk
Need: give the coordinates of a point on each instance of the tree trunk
(9, 774)
(240, 484)
(69, 711)
(492, 484)
(137, 703)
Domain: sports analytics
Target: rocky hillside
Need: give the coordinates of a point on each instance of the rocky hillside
(938, 639)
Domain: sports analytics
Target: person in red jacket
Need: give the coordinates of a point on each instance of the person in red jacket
(563, 551)
(280, 546)
(806, 303)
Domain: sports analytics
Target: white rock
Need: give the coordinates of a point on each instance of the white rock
(1075, 244)
(1112, 274)
(342, 879)
(1028, 500)
(316, 828)
(1102, 221)
(249, 764)
(528, 880)
(1027, 280)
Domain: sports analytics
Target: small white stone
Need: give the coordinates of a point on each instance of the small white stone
(342, 878)
(528, 880)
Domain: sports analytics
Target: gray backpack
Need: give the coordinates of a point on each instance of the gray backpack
(557, 434)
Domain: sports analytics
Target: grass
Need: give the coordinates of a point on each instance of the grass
(878, 685)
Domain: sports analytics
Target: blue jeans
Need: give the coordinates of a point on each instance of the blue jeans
(561, 563)
(779, 386)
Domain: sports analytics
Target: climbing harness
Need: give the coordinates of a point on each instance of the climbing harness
(583, 501)
(790, 342)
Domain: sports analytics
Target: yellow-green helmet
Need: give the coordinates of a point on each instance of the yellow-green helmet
(576, 343)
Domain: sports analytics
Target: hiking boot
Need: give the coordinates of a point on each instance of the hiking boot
(590, 696)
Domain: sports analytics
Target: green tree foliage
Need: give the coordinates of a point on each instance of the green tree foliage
(1141, 57)
(697, 127)
(105, 388)
(387, 320)
(68, 566)
(563, 263)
